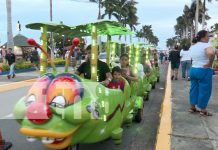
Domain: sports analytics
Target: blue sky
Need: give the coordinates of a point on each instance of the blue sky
(158, 13)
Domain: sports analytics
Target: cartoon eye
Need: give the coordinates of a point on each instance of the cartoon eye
(96, 114)
(89, 109)
(30, 100)
(59, 101)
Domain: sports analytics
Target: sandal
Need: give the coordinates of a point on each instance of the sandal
(193, 110)
(205, 113)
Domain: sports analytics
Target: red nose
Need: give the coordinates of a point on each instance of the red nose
(39, 113)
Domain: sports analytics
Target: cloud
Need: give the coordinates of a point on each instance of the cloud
(161, 14)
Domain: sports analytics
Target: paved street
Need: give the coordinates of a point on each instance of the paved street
(190, 131)
(137, 137)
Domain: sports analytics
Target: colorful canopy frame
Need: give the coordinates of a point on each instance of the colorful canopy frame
(105, 28)
(102, 27)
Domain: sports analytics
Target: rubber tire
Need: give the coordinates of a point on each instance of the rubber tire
(139, 115)
(153, 86)
(146, 98)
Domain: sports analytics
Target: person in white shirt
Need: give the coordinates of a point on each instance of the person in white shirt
(140, 71)
(185, 61)
(202, 54)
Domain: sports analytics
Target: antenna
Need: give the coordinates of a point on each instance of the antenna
(75, 42)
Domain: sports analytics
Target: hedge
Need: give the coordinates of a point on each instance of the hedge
(20, 64)
(58, 61)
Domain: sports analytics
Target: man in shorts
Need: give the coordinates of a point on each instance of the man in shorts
(174, 58)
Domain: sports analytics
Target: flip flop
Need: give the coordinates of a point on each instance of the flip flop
(193, 110)
(205, 113)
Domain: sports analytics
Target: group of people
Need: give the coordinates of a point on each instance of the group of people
(104, 75)
(113, 80)
(196, 64)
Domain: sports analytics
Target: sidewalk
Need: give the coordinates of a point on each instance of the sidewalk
(190, 131)
(24, 76)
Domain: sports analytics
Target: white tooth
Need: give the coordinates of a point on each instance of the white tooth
(59, 139)
(31, 139)
(46, 140)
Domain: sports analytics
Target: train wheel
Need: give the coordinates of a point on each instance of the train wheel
(139, 115)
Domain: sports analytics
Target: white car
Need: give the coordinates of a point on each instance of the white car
(103, 57)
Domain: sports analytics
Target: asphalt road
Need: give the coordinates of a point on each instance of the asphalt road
(140, 136)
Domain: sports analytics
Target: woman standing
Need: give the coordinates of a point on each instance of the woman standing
(185, 62)
(201, 73)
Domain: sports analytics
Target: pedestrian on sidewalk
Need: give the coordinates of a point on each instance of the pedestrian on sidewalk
(174, 58)
(10, 57)
(161, 57)
(201, 73)
(34, 58)
(185, 62)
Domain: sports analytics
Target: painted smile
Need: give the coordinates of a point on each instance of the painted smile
(50, 139)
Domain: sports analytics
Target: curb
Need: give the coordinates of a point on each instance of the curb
(20, 71)
(16, 85)
(165, 129)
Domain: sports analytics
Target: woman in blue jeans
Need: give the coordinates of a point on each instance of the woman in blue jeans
(201, 73)
(185, 62)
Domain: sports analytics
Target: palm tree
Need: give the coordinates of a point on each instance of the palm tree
(99, 7)
(200, 15)
(139, 34)
(204, 12)
(110, 8)
(171, 42)
(122, 10)
(10, 42)
(196, 16)
(180, 27)
(147, 33)
(132, 18)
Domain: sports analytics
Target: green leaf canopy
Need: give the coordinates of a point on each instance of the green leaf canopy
(104, 27)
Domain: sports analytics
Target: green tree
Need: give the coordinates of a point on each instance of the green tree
(110, 7)
(171, 42)
(147, 33)
(123, 10)
(204, 12)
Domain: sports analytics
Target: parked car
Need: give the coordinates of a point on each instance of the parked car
(102, 57)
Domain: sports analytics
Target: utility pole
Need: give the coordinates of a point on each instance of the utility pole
(51, 16)
(99, 17)
(51, 36)
(99, 9)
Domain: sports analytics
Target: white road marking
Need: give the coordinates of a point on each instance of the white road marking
(9, 116)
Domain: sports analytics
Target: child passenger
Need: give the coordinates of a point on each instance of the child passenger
(127, 72)
(117, 82)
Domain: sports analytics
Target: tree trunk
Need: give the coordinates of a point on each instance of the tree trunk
(191, 35)
(203, 15)
(196, 17)
(10, 42)
(186, 33)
